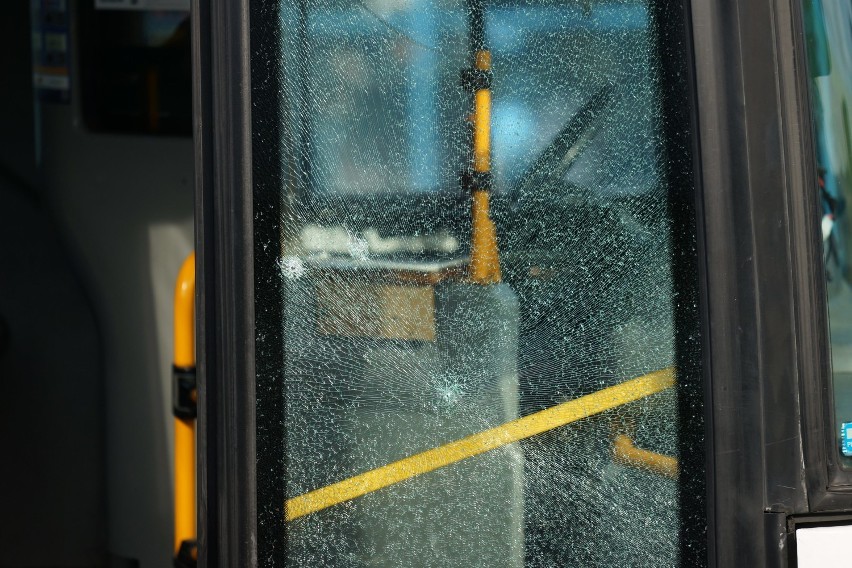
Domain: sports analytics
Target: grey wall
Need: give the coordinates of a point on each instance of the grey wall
(52, 500)
(90, 244)
(17, 143)
(52, 485)
(125, 204)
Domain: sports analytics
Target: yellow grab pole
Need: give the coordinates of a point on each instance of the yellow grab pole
(184, 482)
(184, 409)
(482, 118)
(184, 357)
(484, 256)
(508, 433)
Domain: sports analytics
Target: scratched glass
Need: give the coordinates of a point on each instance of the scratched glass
(487, 258)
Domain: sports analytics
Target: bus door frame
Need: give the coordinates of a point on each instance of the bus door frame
(762, 303)
(225, 338)
(766, 344)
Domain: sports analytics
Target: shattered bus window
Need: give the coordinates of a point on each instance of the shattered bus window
(480, 308)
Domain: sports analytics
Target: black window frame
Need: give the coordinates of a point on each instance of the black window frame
(766, 341)
(225, 346)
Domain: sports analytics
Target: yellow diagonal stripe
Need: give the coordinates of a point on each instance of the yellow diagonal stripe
(430, 460)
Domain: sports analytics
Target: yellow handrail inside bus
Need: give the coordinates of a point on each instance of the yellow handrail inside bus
(430, 460)
(184, 356)
(184, 363)
(484, 255)
(625, 452)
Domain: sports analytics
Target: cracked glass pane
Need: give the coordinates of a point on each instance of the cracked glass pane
(487, 263)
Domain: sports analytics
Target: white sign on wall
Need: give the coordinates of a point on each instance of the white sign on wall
(824, 547)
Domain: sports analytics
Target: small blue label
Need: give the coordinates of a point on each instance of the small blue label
(846, 439)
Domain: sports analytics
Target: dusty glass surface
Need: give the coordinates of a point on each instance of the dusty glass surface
(828, 28)
(479, 309)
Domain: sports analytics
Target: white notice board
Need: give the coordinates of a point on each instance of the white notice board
(824, 547)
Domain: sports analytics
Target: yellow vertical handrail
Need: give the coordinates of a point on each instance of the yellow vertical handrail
(484, 255)
(184, 411)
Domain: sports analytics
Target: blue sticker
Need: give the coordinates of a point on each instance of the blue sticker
(846, 439)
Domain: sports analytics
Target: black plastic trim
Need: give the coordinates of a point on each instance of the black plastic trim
(683, 179)
(187, 556)
(269, 179)
(759, 344)
(225, 293)
(184, 393)
(476, 79)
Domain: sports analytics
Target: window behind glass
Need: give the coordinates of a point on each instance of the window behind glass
(828, 28)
